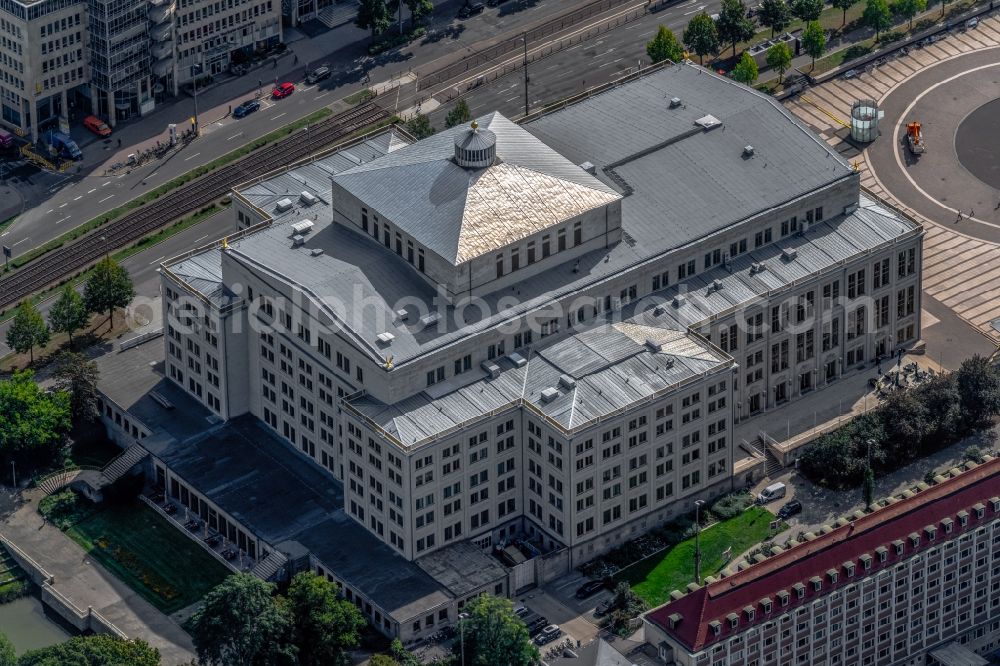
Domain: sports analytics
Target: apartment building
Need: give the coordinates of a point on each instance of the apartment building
(68, 58)
(544, 330)
(915, 582)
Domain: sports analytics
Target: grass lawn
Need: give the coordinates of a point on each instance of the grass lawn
(654, 578)
(164, 566)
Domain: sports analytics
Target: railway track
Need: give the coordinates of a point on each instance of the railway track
(52, 267)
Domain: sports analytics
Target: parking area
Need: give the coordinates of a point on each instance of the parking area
(557, 604)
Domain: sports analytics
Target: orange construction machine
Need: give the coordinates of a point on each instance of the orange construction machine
(915, 138)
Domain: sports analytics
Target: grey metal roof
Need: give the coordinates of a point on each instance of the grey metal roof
(462, 568)
(461, 213)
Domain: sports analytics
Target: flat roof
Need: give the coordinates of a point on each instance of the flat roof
(463, 568)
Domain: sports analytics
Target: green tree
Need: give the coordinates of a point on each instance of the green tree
(746, 70)
(373, 15)
(973, 454)
(940, 397)
(97, 650)
(774, 14)
(877, 16)
(420, 126)
(492, 635)
(779, 58)
(77, 376)
(324, 626)
(401, 655)
(978, 385)
(701, 37)
(69, 313)
(869, 488)
(909, 8)
(843, 5)
(27, 330)
(664, 46)
(807, 10)
(7, 655)
(108, 287)
(240, 623)
(32, 422)
(814, 41)
(419, 9)
(459, 114)
(907, 425)
(376, 660)
(733, 26)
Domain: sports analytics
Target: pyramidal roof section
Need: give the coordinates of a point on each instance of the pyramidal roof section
(463, 213)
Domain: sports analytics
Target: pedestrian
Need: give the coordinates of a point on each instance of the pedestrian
(972, 213)
(296, 59)
(959, 218)
(119, 143)
(230, 110)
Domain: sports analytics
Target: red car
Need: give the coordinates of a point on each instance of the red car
(283, 90)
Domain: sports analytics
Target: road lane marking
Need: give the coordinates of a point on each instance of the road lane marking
(322, 95)
(197, 240)
(106, 198)
(49, 211)
(512, 98)
(278, 116)
(91, 191)
(192, 157)
(64, 219)
(234, 136)
(78, 198)
(64, 205)
(20, 241)
(106, 183)
(157, 260)
(694, 11)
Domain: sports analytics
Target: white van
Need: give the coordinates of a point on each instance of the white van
(771, 493)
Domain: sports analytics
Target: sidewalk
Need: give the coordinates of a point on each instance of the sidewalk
(87, 584)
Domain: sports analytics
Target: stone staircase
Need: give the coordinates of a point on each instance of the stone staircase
(56, 482)
(338, 13)
(773, 466)
(121, 465)
(269, 566)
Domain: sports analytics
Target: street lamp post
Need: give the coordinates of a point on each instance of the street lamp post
(13, 475)
(524, 36)
(697, 541)
(197, 69)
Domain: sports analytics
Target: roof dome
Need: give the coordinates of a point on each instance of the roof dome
(475, 148)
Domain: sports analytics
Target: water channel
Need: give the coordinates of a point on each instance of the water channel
(28, 626)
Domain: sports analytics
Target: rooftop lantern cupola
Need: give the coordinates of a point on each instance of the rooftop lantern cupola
(475, 148)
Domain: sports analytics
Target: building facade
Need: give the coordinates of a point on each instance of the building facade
(545, 331)
(913, 583)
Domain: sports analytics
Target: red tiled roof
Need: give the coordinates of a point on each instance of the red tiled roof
(830, 551)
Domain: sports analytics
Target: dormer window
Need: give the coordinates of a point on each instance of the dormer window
(832, 575)
(783, 597)
(898, 545)
(817, 583)
(963, 518)
(980, 510)
(931, 532)
(716, 627)
(765, 605)
(748, 610)
(948, 524)
(848, 569)
(734, 620)
(866, 561)
(882, 553)
(800, 590)
(673, 620)
(914, 539)
(995, 504)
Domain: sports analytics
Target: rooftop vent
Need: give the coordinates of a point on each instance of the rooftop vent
(679, 300)
(549, 394)
(430, 318)
(402, 315)
(297, 240)
(757, 267)
(308, 198)
(589, 168)
(475, 148)
(385, 338)
(654, 346)
(315, 252)
(717, 285)
(283, 205)
(303, 227)
(708, 122)
(659, 310)
(567, 382)
(517, 359)
(789, 254)
(668, 362)
(675, 102)
(160, 400)
(747, 151)
(491, 368)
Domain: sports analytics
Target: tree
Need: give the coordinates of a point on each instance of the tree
(746, 70)
(31, 420)
(373, 15)
(909, 8)
(459, 114)
(978, 383)
(807, 10)
(240, 622)
(701, 37)
(869, 488)
(419, 9)
(324, 626)
(814, 41)
(733, 26)
(973, 454)
(376, 660)
(877, 16)
(7, 655)
(108, 287)
(69, 313)
(907, 424)
(775, 14)
(779, 58)
(401, 655)
(843, 5)
(492, 634)
(27, 330)
(77, 376)
(420, 126)
(664, 46)
(99, 650)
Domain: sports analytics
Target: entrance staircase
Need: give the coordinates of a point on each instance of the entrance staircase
(268, 567)
(338, 13)
(121, 465)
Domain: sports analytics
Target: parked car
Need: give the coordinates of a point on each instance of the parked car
(604, 607)
(246, 108)
(548, 634)
(971, 23)
(64, 145)
(771, 493)
(97, 126)
(471, 9)
(283, 90)
(318, 74)
(520, 611)
(537, 625)
(589, 589)
(790, 509)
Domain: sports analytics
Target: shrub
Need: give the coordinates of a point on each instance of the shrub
(890, 37)
(731, 505)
